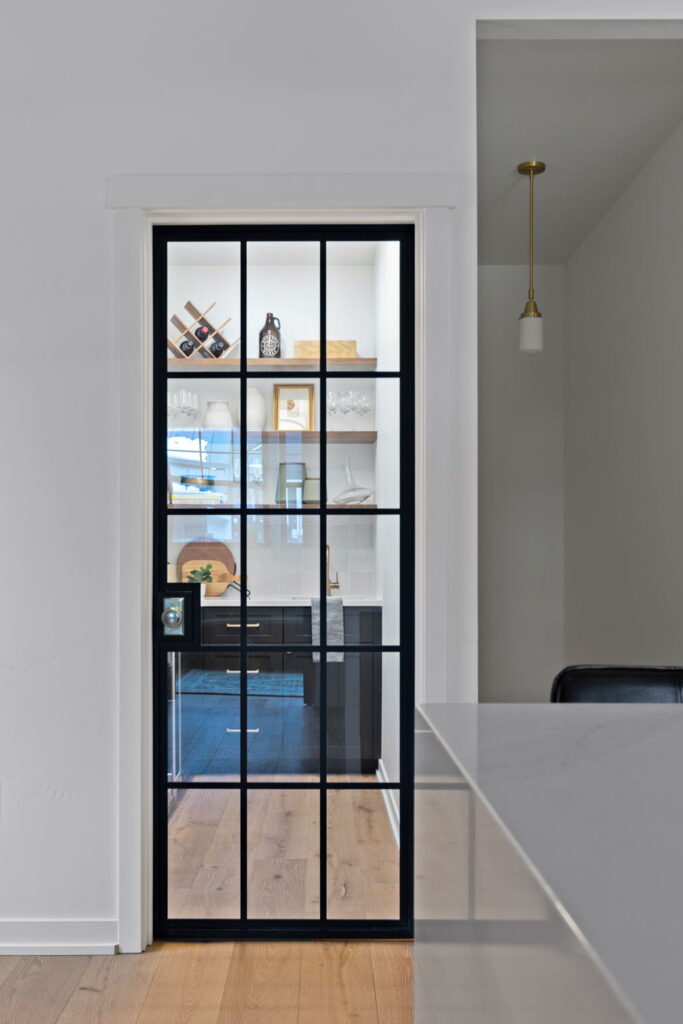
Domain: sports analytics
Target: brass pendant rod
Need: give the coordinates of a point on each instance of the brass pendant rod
(531, 236)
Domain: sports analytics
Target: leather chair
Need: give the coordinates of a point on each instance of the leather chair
(618, 684)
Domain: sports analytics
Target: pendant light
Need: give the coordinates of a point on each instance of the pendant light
(530, 321)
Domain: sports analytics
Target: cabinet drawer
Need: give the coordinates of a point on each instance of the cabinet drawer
(362, 625)
(222, 625)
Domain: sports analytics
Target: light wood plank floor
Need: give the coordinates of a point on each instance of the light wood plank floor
(214, 983)
(283, 855)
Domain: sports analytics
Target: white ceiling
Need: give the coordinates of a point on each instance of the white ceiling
(594, 110)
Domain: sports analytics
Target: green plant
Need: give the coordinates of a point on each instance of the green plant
(201, 575)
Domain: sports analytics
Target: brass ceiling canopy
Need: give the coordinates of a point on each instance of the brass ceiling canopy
(530, 167)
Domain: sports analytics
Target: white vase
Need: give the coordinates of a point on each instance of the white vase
(256, 409)
(218, 416)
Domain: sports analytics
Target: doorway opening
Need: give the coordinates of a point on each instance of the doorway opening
(283, 574)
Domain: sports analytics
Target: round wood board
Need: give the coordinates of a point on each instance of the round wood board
(197, 553)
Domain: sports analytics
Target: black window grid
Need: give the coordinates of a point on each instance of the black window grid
(244, 926)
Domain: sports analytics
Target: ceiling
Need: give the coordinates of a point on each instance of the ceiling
(594, 110)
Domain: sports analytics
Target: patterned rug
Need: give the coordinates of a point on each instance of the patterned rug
(266, 684)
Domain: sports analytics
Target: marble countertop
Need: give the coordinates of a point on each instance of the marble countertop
(592, 794)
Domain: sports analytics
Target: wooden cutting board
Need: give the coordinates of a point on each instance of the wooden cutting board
(199, 553)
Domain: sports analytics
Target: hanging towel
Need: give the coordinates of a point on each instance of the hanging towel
(335, 626)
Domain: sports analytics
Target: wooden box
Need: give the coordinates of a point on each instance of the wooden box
(335, 349)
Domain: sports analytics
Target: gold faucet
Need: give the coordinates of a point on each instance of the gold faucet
(331, 584)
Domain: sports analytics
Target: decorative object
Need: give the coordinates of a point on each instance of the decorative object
(269, 346)
(183, 403)
(346, 402)
(333, 349)
(352, 494)
(197, 554)
(293, 406)
(201, 575)
(312, 490)
(530, 321)
(256, 409)
(218, 416)
(200, 337)
(290, 484)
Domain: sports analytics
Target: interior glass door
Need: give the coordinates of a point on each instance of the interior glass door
(284, 560)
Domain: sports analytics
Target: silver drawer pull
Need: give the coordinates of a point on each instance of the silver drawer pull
(236, 671)
(236, 625)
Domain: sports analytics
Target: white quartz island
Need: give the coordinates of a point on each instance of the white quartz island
(593, 797)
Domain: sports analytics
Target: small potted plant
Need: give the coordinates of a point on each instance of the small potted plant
(202, 576)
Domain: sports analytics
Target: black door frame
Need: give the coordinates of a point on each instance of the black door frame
(244, 927)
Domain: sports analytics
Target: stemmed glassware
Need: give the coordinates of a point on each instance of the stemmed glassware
(346, 402)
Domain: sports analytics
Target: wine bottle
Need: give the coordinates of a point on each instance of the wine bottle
(218, 347)
(269, 339)
(188, 345)
(202, 332)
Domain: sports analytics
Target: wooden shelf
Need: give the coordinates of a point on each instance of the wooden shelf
(294, 437)
(234, 509)
(232, 363)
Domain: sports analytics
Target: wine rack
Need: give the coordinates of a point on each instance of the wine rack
(200, 346)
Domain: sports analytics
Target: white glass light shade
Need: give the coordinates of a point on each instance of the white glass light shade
(531, 334)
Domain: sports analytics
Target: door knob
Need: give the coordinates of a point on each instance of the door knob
(173, 616)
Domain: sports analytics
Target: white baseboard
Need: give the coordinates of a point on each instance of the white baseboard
(391, 797)
(52, 938)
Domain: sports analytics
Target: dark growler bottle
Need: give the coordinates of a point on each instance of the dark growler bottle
(269, 345)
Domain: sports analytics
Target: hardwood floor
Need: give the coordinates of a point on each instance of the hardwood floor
(214, 983)
(283, 855)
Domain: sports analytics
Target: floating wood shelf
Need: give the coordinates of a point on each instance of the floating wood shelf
(233, 363)
(294, 437)
(233, 509)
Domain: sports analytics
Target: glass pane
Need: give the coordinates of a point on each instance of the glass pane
(283, 304)
(283, 444)
(203, 443)
(283, 719)
(203, 717)
(363, 705)
(365, 557)
(283, 564)
(203, 305)
(362, 856)
(363, 305)
(363, 442)
(204, 853)
(283, 854)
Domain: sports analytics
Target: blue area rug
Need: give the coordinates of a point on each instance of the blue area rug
(266, 684)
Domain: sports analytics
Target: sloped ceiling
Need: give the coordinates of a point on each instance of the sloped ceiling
(594, 110)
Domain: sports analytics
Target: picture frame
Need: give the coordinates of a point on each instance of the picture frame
(294, 407)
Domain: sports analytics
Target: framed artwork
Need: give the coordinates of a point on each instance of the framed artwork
(293, 407)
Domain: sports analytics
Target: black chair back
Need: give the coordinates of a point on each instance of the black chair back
(618, 684)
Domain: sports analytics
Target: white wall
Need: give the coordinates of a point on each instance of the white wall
(521, 488)
(304, 87)
(624, 485)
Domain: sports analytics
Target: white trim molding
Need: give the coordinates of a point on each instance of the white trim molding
(53, 938)
(445, 390)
